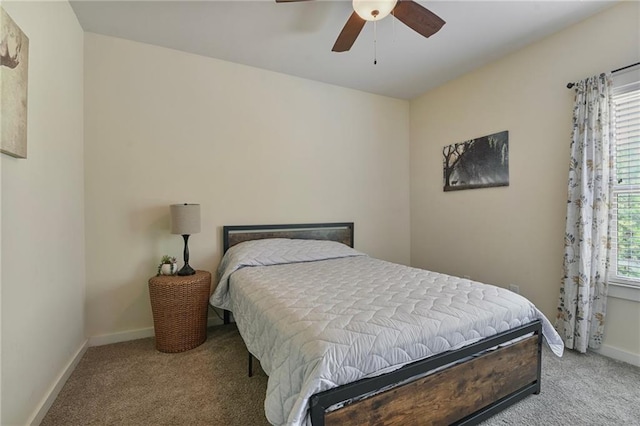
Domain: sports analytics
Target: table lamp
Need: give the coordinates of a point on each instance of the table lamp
(185, 220)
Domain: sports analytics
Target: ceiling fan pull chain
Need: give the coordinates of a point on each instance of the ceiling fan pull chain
(375, 38)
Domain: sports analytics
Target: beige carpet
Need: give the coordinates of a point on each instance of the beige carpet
(133, 384)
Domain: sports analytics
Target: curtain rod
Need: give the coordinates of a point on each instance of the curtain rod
(570, 85)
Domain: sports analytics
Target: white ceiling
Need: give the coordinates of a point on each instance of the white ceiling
(296, 38)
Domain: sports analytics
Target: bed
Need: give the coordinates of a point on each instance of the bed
(348, 339)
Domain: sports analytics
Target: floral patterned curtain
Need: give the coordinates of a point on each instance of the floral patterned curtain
(583, 293)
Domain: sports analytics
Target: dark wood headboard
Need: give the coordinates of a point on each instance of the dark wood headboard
(341, 232)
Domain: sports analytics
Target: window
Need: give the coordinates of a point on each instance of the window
(625, 259)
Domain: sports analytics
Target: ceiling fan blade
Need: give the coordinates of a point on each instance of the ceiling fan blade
(418, 18)
(289, 1)
(349, 33)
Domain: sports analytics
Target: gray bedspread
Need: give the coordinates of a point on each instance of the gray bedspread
(319, 314)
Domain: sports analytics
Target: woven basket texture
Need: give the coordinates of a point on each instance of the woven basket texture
(180, 305)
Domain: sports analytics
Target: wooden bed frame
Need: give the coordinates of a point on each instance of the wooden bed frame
(470, 385)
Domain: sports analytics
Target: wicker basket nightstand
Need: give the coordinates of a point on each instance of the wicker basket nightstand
(180, 306)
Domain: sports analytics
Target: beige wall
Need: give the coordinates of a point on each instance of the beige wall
(251, 146)
(43, 259)
(514, 235)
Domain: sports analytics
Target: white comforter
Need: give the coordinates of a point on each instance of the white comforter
(319, 314)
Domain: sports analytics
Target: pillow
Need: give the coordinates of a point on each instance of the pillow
(273, 251)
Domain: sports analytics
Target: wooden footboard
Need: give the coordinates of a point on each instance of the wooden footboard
(465, 393)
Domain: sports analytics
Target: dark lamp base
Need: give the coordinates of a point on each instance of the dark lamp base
(186, 270)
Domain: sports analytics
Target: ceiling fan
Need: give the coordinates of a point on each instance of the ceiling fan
(410, 13)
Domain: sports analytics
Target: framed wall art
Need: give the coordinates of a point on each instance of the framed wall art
(14, 65)
(477, 163)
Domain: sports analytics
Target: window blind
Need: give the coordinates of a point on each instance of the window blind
(626, 191)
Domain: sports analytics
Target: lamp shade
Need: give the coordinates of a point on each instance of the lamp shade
(185, 219)
(373, 10)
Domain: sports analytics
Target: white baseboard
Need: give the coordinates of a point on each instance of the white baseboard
(141, 333)
(52, 394)
(619, 354)
(122, 336)
(211, 321)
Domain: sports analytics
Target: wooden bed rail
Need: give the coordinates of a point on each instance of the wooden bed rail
(336, 231)
(463, 394)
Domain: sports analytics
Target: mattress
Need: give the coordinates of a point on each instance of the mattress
(318, 314)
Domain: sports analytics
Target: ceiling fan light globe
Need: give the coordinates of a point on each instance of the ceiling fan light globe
(373, 10)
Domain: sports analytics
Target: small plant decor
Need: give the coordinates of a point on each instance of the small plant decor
(167, 260)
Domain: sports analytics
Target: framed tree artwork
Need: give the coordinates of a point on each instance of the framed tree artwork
(477, 163)
(14, 64)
